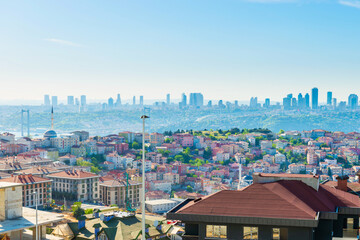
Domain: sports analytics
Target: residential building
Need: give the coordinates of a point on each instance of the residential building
(162, 205)
(160, 185)
(31, 184)
(184, 139)
(263, 210)
(84, 185)
(114, 192)
(64, 142)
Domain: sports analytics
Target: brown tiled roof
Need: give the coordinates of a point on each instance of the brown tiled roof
(73, 174)
(118, 183)
(25, 179)
(287, 199)
(352, 186)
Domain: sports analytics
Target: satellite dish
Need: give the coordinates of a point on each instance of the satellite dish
(102, 217)
(156, 223)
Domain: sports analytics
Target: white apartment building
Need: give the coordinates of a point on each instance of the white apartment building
(162, 205)
(84, 185)
(280, 158)
(65, 142)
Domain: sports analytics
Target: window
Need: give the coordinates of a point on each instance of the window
(276, 234)
(250, 233)
(216, 231)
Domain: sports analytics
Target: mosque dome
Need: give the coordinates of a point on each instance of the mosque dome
(50, 134)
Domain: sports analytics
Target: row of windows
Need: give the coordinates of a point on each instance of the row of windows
(77, 181)
(219, 231)
(36, 185)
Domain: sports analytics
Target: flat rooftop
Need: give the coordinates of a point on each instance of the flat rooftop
(7, 184)
(161, 201)
(28, 220)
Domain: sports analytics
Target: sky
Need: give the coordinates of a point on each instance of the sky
(226, 49)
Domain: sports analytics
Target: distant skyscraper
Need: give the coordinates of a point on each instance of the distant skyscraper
(267, 102)
(287, 102)
(307, 100)
(46, 100)
(118, 100)
(183, 101)
(168, 99)
(134, 100)
(70, 100)
(353, 101)
(315, 98)
(220, 103)
(294, 103)
(111, 102)
(236, 103)
(141, 100)
(253, 102)
(196, 99)
(334, 101)
(83, 100)
(54, 100)
(301, 101)
(329, 98)
(209, 103)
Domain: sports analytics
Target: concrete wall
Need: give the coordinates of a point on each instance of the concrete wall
(10, 203)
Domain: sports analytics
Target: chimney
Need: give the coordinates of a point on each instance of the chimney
(342, 183)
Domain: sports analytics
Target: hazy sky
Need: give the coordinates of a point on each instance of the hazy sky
(229, 49)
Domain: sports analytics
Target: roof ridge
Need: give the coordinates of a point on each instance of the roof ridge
(296, 199)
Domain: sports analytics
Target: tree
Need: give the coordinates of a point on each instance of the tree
(189, 189)
(94, 169)
(78, 212)
(89, 211)
(207, 153)
(330, 172)
(135, 145)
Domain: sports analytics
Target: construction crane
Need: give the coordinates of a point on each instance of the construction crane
(127, 201)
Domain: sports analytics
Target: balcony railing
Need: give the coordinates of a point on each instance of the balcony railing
(190, 237)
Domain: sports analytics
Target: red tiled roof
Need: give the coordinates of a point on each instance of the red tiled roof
(352, 186)
(288, 199)
(25, 179)
(73, 174)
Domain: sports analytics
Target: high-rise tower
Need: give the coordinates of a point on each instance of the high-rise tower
(315, 98)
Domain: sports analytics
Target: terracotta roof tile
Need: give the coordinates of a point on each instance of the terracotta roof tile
(288, 199)
(73, 174)
(25, 179)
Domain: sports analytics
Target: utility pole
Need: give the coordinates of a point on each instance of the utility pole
(143, 117)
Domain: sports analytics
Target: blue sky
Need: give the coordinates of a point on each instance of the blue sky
(229, 49)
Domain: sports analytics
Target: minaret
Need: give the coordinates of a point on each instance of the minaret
(240, 175)
(52, 118)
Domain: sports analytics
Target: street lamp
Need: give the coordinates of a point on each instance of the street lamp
(143, 117)
(36, 207)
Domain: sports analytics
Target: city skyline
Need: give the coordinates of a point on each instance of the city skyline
(303, 98)
(238, 49)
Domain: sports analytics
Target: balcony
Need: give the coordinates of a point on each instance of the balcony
(190, 237)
